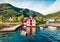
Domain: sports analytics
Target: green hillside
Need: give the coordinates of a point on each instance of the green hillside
(9, 10)
(52, 15)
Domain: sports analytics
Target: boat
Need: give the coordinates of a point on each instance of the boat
(41, 28)
(52, 28)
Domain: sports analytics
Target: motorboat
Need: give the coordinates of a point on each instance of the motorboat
(52, 28)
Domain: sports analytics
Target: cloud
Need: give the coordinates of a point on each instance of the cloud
(5, 1)
(53, 8)
(21, 4)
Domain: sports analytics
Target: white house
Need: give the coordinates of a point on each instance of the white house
(51, 20)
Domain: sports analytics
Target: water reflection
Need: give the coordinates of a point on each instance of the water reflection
(40, 36)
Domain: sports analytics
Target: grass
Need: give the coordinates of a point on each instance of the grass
(41, 25)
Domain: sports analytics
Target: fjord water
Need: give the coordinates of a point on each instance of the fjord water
(40, 36)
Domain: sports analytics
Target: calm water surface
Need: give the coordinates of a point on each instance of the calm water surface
(40, 36)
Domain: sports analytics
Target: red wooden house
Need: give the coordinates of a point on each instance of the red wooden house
(29, 25)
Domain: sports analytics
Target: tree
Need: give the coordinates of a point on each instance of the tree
(1, 18)
(20, 18)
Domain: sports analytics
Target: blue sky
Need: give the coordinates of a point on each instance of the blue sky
(45, 3)
(42, 6)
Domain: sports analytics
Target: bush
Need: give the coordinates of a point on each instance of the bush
(39, 21)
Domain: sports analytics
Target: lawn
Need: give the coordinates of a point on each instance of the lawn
(43, 25)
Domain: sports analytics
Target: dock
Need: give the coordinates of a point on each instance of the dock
(10, 29)
(54, 24)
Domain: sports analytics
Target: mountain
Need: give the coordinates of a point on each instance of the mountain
(9, 10)
(53, 15)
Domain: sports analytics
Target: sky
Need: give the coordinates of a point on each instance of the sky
(42, 6)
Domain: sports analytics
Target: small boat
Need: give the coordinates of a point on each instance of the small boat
(52, 28)
(41, 28)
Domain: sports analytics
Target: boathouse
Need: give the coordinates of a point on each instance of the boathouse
(30, 25)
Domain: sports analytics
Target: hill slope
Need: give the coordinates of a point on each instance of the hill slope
(9, 10)
(57, 14)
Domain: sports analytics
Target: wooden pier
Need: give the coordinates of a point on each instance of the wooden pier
(10, 29)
